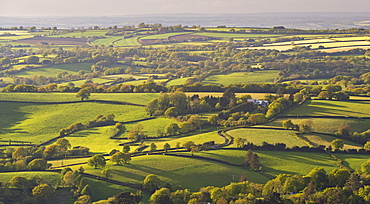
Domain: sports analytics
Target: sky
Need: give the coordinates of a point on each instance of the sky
(134, 7)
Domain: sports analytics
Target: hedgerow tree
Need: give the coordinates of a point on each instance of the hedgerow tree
(42, 191)
(151, 182)
(37, 164)
(97, 161)
(337, 144)
(83, 94)
(288, 124)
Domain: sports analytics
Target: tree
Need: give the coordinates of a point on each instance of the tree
(126, 148)
(338, 177)
(85, 199)
(319, 178)
(257, 118)
(337, 144)
(171, 112)
(32, 60)
(42, 191)
(151, 182)
(70, 178)
(187, 145)
(19, 182)
(288, 124)
(97, 161)
(118, 158)
(19, 153)
(152, 106)
(344, 130)
(161, 196)
(367, 145)
(107, 173)
(181, 196)
(194, 149)
(83, 94)
(172, 129)
(305, 126)
(153, 147)
(240, 142)
(126, 198)
(64, 143)
(37, 164)
(365, 167)
(166, 147)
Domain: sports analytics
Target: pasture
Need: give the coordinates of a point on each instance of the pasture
(332, 108)
(52, 177)
(178, 81)
(319, 139)
(265, 76)
(257, 136)
(39, 122)
(275, 162)
(326, 125)
(353, 161)
(137, 98)
(54, 70)
(78, 34)
(187, 172)
(162, 36)
(128, 42)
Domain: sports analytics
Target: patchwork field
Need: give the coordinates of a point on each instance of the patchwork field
(37, 123)
(353, 161)
(332, 108)
(188, 172)
(275, 162)
(319, 139)
(52, 71)
(265, 76)
(257, 136)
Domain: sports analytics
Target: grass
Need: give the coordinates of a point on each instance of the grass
(106, 41)
(102, 190)
(270, 47)
(137, 98)
(236, 35)
(319, 139)
(128, 42)
(51, 177)
(52, 71)
(332, 108)
(199, 138)
(39, 122)
(328, 125)
(178, 81)
(257, 136)
(275, 162)
(163, 36)
(233, 156)
(354, 161)
(264, 76)
(188, 172)
(78, 34)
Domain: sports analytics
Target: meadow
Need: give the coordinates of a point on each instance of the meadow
(257, 136)
(52, 177)
(128, 42)
(353, 161)
(265, 76)
(54, 70)
(137, 98)
(326, 125)
(275, 162)
(78, 34)
(188, 172)
(332, 108)
(319, 139)
(163, 36)
(39, 122)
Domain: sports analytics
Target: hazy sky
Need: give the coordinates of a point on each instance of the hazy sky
(128, 7)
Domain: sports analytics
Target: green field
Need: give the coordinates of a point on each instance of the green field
(78, 34)
(236, 35)
(265, 76)
(178, 81)
(354, 161)
(37, 123)
(106, 41)
(163, 36)
(128, 42)
(257, 136)
(52, 177)
(188, 172)
(332, 108)
(137, 98)
(233, 156)
(327, 125)
(52, 71)
(275, 162)
(102, 190)
(319, 139)
(197, 138)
